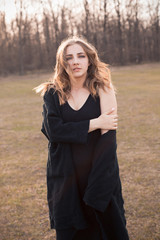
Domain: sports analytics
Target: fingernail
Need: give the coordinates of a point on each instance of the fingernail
(113, 108)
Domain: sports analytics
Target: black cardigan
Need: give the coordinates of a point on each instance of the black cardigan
(104, 186)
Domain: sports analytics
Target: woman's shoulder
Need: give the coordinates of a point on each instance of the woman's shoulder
(107, 90)
(51, 94)
(108, 99)
(50, 90)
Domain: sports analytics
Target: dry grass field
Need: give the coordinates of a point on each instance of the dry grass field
(23, 154)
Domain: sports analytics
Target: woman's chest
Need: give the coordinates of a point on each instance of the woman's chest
(89, 110)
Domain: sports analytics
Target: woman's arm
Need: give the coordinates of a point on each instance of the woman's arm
(107, 102)
(105, 121)
(55, 129)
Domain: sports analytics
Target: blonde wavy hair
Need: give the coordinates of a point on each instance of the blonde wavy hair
(98, 73)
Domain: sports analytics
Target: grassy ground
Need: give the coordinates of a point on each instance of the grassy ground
(23, 154)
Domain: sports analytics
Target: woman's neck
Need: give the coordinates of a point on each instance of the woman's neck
(78, 82)
(77, 85)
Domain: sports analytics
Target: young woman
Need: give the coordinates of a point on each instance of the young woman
(80, 122)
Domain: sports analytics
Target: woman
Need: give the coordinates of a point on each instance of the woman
(80, 122)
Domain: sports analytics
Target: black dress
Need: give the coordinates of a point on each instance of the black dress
(100, 225)
(83, 153)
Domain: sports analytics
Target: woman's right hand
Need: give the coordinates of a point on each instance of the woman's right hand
(108, 121)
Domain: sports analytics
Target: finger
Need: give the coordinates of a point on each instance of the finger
(114, 116)
(115, 120)
(114, 128)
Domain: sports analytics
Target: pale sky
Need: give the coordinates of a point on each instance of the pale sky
(34, 6)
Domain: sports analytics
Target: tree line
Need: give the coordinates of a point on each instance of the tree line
(119, 32)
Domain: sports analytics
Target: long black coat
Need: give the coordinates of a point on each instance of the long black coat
(104, 186)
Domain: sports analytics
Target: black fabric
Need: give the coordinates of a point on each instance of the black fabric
(65, 209)
(104, 175)
(54, 127)
(92, 232)
(82, 173)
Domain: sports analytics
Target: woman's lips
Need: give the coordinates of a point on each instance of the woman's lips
(76, 69)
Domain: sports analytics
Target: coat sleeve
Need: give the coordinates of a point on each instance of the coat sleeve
(55, 129)
(104, 175)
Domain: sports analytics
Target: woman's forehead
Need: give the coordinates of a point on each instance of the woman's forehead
(74, 48)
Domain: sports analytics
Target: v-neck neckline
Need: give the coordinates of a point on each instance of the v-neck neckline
(81, 106)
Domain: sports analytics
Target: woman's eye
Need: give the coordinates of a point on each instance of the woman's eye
(68, 58)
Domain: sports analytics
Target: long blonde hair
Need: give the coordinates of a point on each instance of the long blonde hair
(98, 73)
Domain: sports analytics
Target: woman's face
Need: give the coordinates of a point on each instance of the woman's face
(77, 60)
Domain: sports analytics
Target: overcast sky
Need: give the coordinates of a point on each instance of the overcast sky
(34, 6)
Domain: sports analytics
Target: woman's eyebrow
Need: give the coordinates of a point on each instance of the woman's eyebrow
(81, 53)
(77, 54)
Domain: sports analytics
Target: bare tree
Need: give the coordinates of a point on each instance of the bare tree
(3, 41)
(87, 13)
(46, 23)
(105, 32)
(129, 29)
(40, 58)
(55, 24)
(105, 22)
(119, 35)
(138, 56)
(63, 25)
(19, 21)
(157, 32)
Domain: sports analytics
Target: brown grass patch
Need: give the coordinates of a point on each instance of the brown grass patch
(24, 211)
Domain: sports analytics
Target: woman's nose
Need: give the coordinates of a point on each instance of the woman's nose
(75, 60)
